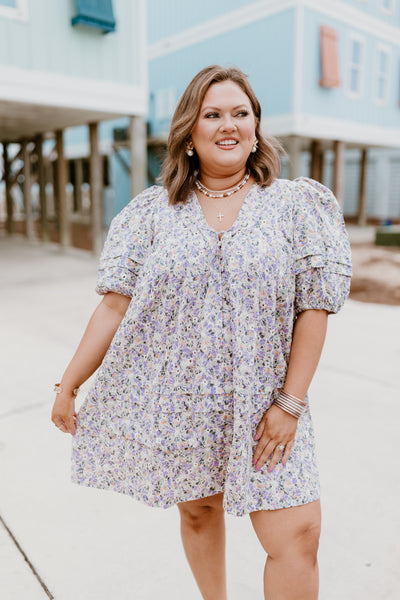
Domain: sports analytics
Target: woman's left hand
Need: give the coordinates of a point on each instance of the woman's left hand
(276, 429)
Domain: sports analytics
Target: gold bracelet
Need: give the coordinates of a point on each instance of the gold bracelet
(58, 389)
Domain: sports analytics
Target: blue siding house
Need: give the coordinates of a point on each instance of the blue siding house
(73, 75)
(327, 73)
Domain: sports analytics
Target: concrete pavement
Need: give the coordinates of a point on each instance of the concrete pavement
(86, 544)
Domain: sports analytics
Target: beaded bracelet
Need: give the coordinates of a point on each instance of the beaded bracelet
(290, 404)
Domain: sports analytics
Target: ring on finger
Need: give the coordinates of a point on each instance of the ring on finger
(281, 447)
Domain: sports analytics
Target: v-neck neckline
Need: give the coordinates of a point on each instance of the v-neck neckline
(202, 218)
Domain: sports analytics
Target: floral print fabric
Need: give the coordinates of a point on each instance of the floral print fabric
(204, 345)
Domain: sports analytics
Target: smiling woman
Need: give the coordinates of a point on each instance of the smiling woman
(217, 288)
(199, 113)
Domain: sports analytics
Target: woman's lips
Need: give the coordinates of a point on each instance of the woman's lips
(227, 144)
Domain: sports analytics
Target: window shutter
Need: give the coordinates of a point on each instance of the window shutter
(330, 76)
(95, 13)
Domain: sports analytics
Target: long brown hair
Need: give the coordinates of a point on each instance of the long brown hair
(178, 168)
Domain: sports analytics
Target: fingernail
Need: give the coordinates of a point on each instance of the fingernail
(258, 467)
(270, 470)
(256, 437)
(254, 460)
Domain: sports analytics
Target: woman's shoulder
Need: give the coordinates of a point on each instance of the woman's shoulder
(306, 194)
(149, 196)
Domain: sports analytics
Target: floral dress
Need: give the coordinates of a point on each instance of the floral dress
(204, 346)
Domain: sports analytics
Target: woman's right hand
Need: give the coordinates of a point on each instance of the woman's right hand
(63, 414)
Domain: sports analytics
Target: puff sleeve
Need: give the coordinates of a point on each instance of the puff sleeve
(321, 248)
(128, 240)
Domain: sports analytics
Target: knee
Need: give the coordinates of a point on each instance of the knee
(307, 540)
(198, 517)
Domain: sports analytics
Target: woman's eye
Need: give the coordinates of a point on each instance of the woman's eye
(243, 113)
(211, 115)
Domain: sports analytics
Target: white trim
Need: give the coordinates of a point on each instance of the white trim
(311, 126)
(256, 11)
(349, 65)
(298, 59)
(387, 50)
(50, 89)
(387, 10)
(19, 13)
(350, 15)
(235, 19)
(144, 77)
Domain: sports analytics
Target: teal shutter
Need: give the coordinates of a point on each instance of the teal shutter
(95, 13)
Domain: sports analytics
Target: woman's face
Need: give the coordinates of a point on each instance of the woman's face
(224, 133)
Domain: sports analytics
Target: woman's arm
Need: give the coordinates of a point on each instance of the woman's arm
(92, 348)
(277, 427)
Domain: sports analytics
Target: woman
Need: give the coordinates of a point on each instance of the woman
(217, 289)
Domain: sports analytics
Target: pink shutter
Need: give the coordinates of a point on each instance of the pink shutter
(330, 76)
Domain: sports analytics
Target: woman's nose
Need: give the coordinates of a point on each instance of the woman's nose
(228, 123)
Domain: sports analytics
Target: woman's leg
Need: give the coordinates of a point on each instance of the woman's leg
(290, 536)
(203, 536)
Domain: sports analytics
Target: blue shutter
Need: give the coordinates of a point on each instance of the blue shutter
(95, 13)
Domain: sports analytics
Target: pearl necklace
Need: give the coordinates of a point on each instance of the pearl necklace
(221, 193)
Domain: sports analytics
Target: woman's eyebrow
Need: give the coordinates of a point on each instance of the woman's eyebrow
(218, 108)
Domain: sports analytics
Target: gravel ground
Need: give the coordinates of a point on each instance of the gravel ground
(376, 274)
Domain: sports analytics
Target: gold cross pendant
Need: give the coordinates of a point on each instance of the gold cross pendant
(220, 216)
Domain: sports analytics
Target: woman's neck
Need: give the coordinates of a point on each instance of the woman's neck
(222, 182)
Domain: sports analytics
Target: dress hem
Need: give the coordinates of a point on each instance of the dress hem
(213, 492)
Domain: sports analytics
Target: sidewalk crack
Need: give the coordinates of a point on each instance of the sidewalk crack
(31, 566)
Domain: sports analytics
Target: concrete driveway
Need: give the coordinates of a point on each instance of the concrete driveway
(73, 543)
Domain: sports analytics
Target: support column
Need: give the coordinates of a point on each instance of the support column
(44, 225)
(362, 190)
(9, 199)
(338, 170)
(138, 147)
(29, 225)
(317, 157)
(294, 150)
(95, 171)
(65, 233)
(78, 184)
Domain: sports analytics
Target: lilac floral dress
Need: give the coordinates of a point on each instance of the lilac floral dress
(204, 346)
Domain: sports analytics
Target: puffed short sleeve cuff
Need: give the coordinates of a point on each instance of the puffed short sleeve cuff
(322, 249)
(128, 241)
(117, 274)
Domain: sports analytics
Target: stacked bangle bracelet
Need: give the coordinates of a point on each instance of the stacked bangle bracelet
(290, 404)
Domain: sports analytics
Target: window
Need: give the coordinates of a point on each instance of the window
(14, 9)
(356, 61)
(382, 74)
(387, 6)
(165, 102)
(330, 77)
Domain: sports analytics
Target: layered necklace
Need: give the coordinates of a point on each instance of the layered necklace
(221, 193)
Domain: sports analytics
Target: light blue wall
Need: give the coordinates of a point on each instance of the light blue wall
(168, 17)
(80, 135)
(334, 102)
(373, 8)
(47, 42)
(264, 50)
